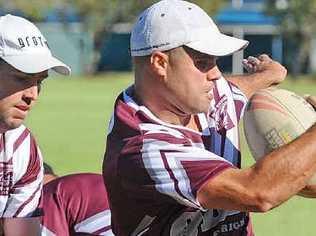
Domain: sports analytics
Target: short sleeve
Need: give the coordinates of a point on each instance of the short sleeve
(25, 196)
(170, 164)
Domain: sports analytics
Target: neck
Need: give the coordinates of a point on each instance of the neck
(166, 113)
(2, 129)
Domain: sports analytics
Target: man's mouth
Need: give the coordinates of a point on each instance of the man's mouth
(23, 108)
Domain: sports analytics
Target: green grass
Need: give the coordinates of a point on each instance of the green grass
(70, 120)
(70, 124)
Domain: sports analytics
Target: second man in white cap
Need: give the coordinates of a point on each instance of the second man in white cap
(25, 59)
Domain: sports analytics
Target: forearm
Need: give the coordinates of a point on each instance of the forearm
(264, 72)
(250, 83)
(271, 181)
(287, 170)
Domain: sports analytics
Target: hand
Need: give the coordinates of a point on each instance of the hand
(256, 64)
(275, 72)
(251, 64)
(311, 99)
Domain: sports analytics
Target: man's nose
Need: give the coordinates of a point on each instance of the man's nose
(214, 73)
(30, 94)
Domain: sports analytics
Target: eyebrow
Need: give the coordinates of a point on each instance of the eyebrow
(198, 55)
(204, 56)
(45, 76)
(27, 75)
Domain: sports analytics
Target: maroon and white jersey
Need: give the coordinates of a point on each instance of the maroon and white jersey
(153, 170)
(21, 173)
(75, 204)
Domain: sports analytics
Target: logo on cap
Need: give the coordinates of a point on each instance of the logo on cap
(36, 41)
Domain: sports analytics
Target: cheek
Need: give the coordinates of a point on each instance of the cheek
(4, 110)
(9, 101)
(188, 82)
(196, 85)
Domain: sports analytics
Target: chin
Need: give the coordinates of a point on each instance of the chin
(202, 107)
(205, 108)
(198, 111)
(13, 124)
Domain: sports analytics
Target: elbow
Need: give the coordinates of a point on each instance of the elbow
(263, 207)
(263, 202)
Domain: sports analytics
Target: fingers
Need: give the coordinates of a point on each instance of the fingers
(254, 60)
(265, 57)
(251, 64)
(248, 66)
(274, 72)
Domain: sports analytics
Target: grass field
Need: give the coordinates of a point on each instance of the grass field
(70, 123)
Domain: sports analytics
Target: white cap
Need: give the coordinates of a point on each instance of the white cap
(24, 47)
(173, 23)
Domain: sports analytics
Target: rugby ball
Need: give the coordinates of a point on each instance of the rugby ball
(274, 117)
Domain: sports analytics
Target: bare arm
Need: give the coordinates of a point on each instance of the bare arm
(268, 183)
(21, 226)
(264, 72)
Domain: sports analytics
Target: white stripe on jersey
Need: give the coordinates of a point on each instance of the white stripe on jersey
(158, 129)
(46, 232)
(3, 202)
(21, 199)
(232, 134)
(21, 195)
(95, 223)
(231, 93)
(175, 153)
(21, 158)
(10, 138)
(111, 124)
(143, 226)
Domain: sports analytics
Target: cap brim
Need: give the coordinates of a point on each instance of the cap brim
(37, 63)
(218, 44)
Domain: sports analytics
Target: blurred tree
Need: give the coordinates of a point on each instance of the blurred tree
(297, 20)
(33, 9)
(97, 16)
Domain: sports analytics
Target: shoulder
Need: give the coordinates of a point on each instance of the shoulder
(74, 183)
(20, 137)
(85, 179)
(21, 146)
(17, 135)
(77, 194)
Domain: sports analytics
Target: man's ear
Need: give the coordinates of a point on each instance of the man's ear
(159, 63)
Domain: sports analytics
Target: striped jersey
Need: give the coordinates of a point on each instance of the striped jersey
(76, 204)
(153, 169)
(21, 173)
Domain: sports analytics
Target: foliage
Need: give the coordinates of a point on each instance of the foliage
(95, 14)
(33, 9)
(297, 23)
